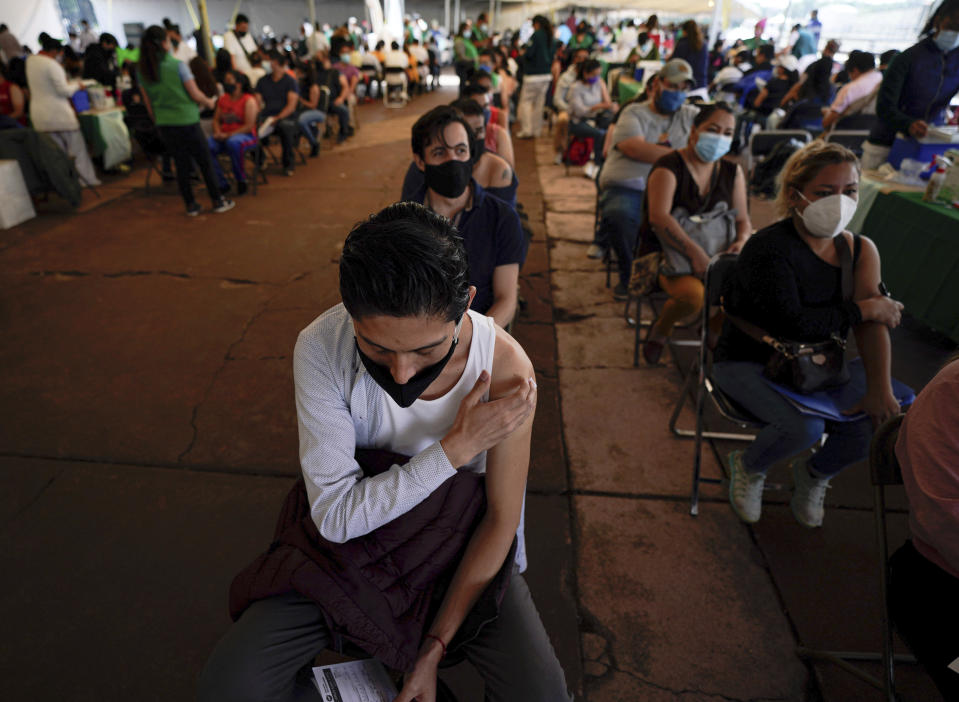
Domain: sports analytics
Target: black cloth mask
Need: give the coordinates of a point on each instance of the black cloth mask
(449, 179)
(406, 394)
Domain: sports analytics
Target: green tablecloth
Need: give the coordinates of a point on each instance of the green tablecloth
(106, 136)
(919, 246)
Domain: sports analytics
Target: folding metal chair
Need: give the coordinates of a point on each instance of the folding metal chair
(884, 471)
(852, 139)
(761, 143)
(719, 270)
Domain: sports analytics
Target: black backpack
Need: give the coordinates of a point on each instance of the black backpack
(763, 181)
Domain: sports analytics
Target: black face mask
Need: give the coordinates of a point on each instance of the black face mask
(477, 148)
(449, 179)
(406, 394)
(175, 43)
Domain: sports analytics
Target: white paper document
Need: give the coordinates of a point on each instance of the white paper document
(355, 681)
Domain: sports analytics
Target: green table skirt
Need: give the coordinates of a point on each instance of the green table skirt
(919, 247)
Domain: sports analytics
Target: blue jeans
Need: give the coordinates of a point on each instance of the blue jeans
(307, 119)
(582, 129)
(788, 431)
(235, 145)
(620, 214)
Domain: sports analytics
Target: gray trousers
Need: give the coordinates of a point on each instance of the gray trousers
(264, 655)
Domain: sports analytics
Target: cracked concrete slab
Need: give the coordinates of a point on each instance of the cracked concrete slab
(682, 603)
(122, 577)
(568, 255)
(574, 227)
(247, 420)
(583, 293)
(595, 342)
(23, 487)
(614, 421)
(112, 368)
(829, 578)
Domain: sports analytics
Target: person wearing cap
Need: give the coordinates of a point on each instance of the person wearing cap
(785, 76)
(858, 96)
(50, 108)
(644, 133)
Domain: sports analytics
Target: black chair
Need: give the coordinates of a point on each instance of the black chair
(699, 377)
(884, 471)
(762, 143)
(852, 139)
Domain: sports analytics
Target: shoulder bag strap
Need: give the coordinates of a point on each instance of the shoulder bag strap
(713, 180)
(249, 56)
(755, 332)
(846, 263)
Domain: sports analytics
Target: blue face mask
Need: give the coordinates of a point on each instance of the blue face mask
(712, 147)
(345, 58)
(947, 40)
(671, 100)
(592, 79)
(487, 113)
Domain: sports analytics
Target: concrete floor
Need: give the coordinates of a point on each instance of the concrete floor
(148, 438)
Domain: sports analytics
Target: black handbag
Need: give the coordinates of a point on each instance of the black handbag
(803, 366)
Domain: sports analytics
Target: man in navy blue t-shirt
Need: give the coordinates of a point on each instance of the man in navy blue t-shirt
(277, 94)
(490, 228)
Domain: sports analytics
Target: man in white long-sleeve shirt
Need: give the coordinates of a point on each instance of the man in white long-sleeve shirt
(404, 365)
(50, 108)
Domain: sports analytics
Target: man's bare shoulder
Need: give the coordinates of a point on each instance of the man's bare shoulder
(511, 365)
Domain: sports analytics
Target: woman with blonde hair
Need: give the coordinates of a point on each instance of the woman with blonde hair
(788, 283)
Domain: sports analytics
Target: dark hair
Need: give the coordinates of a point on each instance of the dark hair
(886, 57)
(587, 66)
(151, 53)
(486, 52)
(745, 55)
(275, 55)
(694, 34)
(471, 89)
(546, 26)
(709, 110)
(463, 28)
(203, 76)
(862, 61)
(379, 45)
(223, 61)
(404, 261)
(643, 37)
(242, 80)
(652, 22)
(430, 127)
(240, 19)
(107, 38)
(48, 43)
(946, 7)
(468, 107)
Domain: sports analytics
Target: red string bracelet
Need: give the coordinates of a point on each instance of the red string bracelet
(433, 636)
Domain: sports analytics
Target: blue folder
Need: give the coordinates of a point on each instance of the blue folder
(830, 403)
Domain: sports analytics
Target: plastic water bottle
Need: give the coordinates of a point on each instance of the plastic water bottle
(936, 179)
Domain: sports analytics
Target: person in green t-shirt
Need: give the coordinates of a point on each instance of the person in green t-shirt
(465, 53)
(171, 95)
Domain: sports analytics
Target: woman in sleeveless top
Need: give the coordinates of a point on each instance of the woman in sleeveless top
(788, 282)
(697, 179)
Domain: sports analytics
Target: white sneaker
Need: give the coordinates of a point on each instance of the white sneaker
(595, 251)
(559, 159)
(590, 170)
(745, 489)
(809, 494)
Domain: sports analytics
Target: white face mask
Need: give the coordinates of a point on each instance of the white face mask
(947, 40)
(829, 215)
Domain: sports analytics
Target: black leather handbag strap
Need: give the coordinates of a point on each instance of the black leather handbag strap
(845, 263)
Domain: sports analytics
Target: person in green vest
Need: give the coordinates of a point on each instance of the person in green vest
(171, 95)
(465, 53)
